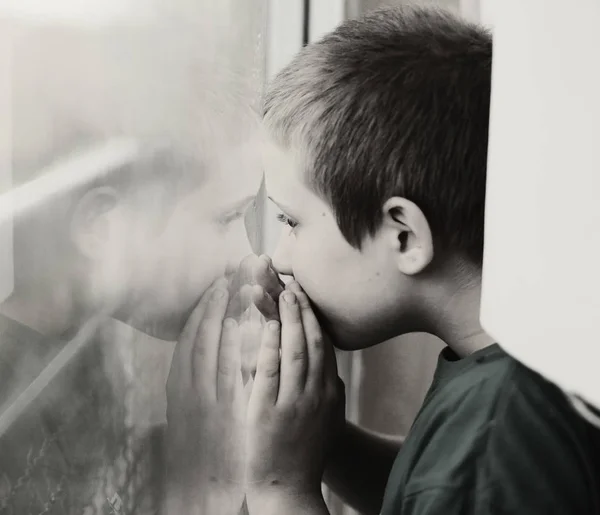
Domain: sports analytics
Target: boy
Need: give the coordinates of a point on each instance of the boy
(378, 164)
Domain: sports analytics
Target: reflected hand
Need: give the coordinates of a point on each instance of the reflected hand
(256, 282)
(295, 407)
(254, 291)
(205, 412)
(267, 288)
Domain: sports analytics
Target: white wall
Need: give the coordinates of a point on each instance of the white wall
(542, 247)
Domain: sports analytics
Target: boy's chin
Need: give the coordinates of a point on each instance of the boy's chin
(160, 328)
(166, 332)
(349, 346)
(350, 339)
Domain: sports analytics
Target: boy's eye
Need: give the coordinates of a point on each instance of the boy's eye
(231, 217)
(286, 220)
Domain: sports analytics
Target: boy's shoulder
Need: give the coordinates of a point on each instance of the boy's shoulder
(477, 380)
(490, 380)
(490, 395)
(488, 426)
(23, 355)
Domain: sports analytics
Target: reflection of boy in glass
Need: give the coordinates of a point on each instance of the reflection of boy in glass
(142, 239)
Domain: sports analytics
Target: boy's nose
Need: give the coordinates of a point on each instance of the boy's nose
(282, 257)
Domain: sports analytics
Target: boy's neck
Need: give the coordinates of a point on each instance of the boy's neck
(457, 323)
(465, 344)
(41, 313)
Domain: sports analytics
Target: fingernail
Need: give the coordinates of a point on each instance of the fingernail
(229, 323)
(259, 291)
(273, 325)
(221, 282)
(289, 297)
(218, 294)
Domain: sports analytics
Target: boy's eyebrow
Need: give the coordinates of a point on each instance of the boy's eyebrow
(240, 203)
(280, 206)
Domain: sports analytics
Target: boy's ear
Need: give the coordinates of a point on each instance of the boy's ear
(93, 221)
(409, 234)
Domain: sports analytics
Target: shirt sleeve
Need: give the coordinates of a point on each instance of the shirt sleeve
(437, 501)
(539, 458)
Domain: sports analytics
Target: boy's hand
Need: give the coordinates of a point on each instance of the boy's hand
(206, 412)
(254, 291)
(295, 407)
(256, 281)
(267, 288)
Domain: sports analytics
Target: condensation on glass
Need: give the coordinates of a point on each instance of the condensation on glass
(128, 144)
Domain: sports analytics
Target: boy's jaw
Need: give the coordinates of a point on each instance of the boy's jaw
(166, 327)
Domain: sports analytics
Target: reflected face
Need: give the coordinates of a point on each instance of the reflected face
(356, 292)
(164, 266)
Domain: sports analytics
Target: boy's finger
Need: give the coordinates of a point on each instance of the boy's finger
(247, 391)
(265, 389)
(265, 303)
(193, 323)
(266, 276)
(206, 349)
(330, 370)
(315, 343)
(229, 361)
(328, 362)
(244, 273)
(294, 357)
(250, 336)
(185, 346)
(234, 307)
(240, 301)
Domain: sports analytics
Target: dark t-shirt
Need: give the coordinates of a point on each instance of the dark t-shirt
(70, 451)
(493, 437)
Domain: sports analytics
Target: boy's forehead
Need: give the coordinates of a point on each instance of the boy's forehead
(285, 181)
(227, 165)
(277, 157)
(238, 169)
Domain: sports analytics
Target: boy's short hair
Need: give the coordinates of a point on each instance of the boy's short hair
(393, 104)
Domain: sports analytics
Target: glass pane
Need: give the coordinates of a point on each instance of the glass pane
(131, 138)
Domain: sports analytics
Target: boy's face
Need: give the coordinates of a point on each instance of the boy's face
(359, 294)
(153, 267)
